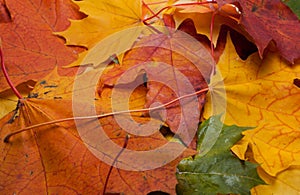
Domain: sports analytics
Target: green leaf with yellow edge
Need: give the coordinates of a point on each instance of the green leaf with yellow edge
(217, 171)
(104, 18)
(262, 94)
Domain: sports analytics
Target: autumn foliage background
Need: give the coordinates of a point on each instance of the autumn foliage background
(249, 49)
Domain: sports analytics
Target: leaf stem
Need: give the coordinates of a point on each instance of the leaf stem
(114, 162)
(181, 4)
(156, 15)
(6, 138)
(14, 89)
(149, 9)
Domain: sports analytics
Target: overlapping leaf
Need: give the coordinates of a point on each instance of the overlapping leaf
(294, 5)
(202, 18)
(171, 57)
(218, 170)
(261, 93)
(28, 44)
(8, 99)
(270, 20)
(286, 182)
(54, 159)
(104, 18)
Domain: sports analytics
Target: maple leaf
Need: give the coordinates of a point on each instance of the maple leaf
(104, 18)
(54, 159)
(286, 182)
(8, 99)
(206, 15)
(260, 18)
(218, 170)
(261, 93)
(170, 54)
(54, 86)
(29, 47)
(150, 7)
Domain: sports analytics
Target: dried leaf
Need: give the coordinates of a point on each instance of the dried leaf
(28, 44)
(9, 100)
(202, 18)
(184, 71)
(54, 86)
(260, 18)
(54, 159)
(261, 94)
(287, 182)
(104, 18)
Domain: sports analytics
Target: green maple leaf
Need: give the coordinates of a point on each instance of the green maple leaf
(218, 170)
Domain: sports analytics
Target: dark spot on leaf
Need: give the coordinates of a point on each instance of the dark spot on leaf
(254, 8)
(43, 82)
(46, 92)
(57, 98)
(297, 82)
(33, 95)
(50, 86)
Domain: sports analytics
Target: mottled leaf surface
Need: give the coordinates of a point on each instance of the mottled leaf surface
(218, 171)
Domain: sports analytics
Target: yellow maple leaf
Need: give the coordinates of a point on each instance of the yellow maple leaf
(261, 93)
(287, 182)
(8, 100)
(153, 6)
(104, 18)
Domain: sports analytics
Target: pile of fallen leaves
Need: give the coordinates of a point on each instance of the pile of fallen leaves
(242, 136)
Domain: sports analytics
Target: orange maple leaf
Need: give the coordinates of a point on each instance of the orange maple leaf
(55, 159)
(28, 44)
